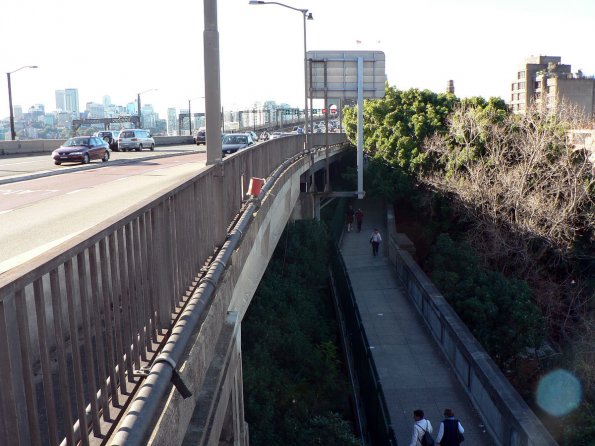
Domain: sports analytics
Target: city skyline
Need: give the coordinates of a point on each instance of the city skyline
(478, 46)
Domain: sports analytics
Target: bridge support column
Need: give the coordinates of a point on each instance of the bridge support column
(307, 206)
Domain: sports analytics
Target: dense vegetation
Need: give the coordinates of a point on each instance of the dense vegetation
(294, 384)
(503, 209)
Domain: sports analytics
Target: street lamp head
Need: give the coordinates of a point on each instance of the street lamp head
(255, 2)
(33, 66)
(309, 16)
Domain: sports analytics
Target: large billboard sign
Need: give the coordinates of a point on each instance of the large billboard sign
(337, 73)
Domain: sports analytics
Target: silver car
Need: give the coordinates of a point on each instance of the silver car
(137, 139)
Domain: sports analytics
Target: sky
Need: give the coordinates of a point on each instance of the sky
(120, 48)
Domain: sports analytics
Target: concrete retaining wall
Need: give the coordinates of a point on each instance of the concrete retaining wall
(508, 418)
(33, 146)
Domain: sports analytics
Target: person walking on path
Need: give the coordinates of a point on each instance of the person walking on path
(359, 218)
(375, 240)
(349, 218)
(451, 430)
(420, 427)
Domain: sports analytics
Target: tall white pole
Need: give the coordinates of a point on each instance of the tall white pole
(360, 127)
(212, 83)
(306, 136)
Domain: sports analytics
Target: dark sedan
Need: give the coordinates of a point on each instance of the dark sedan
(236, 141)
(82, 149)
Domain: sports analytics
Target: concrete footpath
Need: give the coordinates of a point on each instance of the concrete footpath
(413, 370)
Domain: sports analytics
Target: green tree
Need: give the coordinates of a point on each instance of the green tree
(294, 383)
(499, 311)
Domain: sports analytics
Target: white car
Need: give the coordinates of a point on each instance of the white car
(137, 139)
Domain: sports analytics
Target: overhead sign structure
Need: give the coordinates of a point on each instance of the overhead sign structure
(342, 74)
(348, 75)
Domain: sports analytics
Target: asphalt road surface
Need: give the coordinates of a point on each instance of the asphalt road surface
(18, 165)
(38, 214)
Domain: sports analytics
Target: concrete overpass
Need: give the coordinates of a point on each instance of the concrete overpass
(159, 289)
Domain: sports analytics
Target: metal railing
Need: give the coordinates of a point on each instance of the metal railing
(77, 321)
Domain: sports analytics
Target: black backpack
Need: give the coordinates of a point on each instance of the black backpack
(426, 438)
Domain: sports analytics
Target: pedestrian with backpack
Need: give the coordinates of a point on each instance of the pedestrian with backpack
(451, 430)
(422, 430)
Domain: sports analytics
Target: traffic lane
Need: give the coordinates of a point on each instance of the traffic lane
(29, 231)
(15, 165)
(24, 193)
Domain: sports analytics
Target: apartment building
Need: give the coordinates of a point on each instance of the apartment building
(547, 83)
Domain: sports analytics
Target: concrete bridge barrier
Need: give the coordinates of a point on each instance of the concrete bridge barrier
(40, 146)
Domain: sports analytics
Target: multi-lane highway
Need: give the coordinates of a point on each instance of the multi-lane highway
(12, 166)
(40, 213)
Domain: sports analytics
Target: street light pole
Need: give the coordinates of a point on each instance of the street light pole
(189, 119)
(12, 131)
(307, 16)
(140, 123)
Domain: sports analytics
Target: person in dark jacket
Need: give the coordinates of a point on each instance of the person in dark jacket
(359, 218)
(451, 430)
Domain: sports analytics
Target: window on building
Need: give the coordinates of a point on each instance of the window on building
(537, 84)
(521, 85)
(521, 75)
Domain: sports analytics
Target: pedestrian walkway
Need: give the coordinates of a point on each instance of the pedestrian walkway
(413, 370)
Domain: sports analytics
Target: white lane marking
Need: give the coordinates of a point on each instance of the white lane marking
(25, 256)
(76, 191)
(6, 211)
(120, 179)
(22, 162)
(27, 191)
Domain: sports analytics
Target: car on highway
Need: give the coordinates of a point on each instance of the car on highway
(109, 136)
(135, 139)
(277, 135)
(233, 142)
(82, 149)
(200, 136)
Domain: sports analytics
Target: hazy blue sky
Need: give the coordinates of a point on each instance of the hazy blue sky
(124, 47)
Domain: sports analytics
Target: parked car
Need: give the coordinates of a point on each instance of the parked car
(136, 139)
(200, 137)
(236, 141)
(82, 149)
(109, 136)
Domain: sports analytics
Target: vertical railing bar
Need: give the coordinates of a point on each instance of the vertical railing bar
(88, 342)
(117, 308)
(133, 292)
(61, 356)
(23, 324)
(142, 298)
(8, 402)
(125, 307)
(169, 239)
(106, 288)
(76, 358)
(96, 321)
(145, 243)
(44, 354)
(149, 227)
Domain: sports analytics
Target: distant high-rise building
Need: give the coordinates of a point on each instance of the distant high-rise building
(107, 101)
(545, 82)
(60, 101)
(18, 112)
(95, 110)
(71, 100)
(172, 122)
(450, 87)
